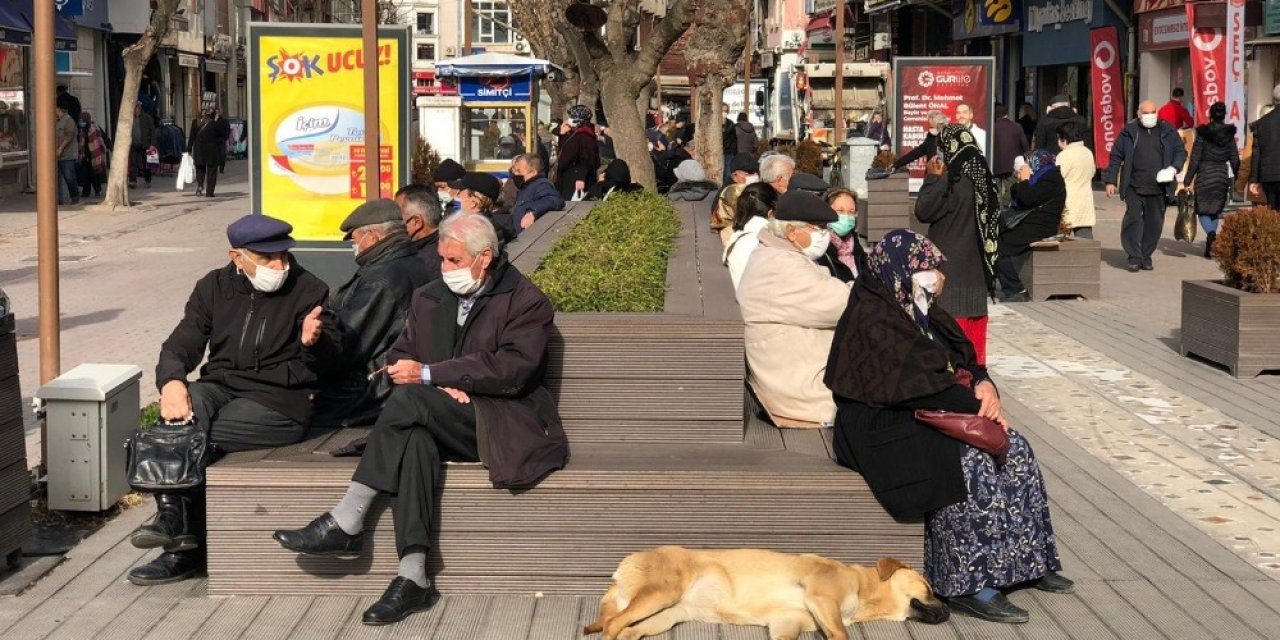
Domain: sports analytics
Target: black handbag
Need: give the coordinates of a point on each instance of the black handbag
(1010, 218)
(168, 457)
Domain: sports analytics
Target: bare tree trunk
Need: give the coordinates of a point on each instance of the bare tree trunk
(718, 39)
(588, 81)
(629, 141)
(708, 134)
(136, 57)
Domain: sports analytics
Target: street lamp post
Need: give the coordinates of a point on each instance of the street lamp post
(838, 129)
(46, 159)
(372, 145)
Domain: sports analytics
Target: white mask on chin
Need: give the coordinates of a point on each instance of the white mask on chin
(460, 281)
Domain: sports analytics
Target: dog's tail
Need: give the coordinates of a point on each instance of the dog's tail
(594, 627)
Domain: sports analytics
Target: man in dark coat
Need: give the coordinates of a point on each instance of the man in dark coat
(468, 371)
(68, 102)
(1265, 174)
(207, 144)
(144, 136)
(1059, 112)
(1009, 142)
(421, 211)
(1144, 162)
(535, 195)
(366, 316)
(258, 317)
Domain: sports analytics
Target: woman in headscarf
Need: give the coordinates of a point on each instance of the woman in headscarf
(616, 178)
(1042, 190)
(1214, 149)
(960, 204)
(987, 524)
(93, 156)
(579, 157)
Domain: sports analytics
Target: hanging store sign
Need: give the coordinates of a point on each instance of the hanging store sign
(1235, 69)
(1163, 30)
(1055, 13)
(1209, 55)
(1107, 75)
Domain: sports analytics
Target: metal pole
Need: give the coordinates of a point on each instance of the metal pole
(838, 129)
(46, 159)
(746, 64)
(372, 145)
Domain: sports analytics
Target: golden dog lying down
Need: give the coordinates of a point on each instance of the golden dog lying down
(656, 589)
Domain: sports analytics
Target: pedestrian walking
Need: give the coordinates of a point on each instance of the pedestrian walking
(1264, 175)
(66, 137)
(207, 144)
(1174, 113)
(1213, 153)
(1009, 142)
(92, 170)
(1143, 163)
(142, 139)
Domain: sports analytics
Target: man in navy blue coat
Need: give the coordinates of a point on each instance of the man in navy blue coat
(1144, 165)
(536, 195)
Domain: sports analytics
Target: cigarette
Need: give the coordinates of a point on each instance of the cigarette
(375, 373)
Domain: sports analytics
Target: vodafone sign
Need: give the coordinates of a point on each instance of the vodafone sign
(1108, 92)
(1209, 55)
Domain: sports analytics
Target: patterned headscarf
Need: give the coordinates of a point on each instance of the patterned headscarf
(579, 114)
(900, 255)
(1041, 162)
(960, 151)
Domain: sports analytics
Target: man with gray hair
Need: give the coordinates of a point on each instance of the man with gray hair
(535, 195)
(790, 306)
(468, 376)
(365, 316)
(776, 171)
(1264, 177)
(421, 211)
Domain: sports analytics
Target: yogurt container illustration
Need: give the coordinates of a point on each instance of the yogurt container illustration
(312, 146)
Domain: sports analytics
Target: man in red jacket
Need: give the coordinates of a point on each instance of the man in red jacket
(1175, 114)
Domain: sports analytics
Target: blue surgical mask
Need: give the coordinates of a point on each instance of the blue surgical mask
(843, 226)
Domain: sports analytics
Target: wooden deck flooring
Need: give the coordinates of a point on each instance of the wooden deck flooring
(1142, 572)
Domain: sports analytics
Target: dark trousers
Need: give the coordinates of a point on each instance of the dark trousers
(1083, 232)
(420, 426)
(138, 164)
(71, 179)
(206, 178)
(1142, 226)
(1272, 191)
(1009, 259)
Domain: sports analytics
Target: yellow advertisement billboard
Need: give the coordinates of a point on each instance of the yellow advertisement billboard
(306, 135)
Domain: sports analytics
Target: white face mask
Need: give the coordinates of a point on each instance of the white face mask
(752, 179)
(445, 198)
(460, 281)
(1149, 120)
(925, 285)
(268, 280)
(818, 241)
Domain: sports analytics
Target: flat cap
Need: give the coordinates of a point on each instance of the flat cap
(448, 171)
(481, 183)
(744, 162)
(807, 182)
(372, 212)
(260, 233)
(802, 206)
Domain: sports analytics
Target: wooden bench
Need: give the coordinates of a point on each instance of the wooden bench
(664, 451)
(1070, 267)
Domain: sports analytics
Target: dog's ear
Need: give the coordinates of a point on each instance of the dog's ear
(886, 567)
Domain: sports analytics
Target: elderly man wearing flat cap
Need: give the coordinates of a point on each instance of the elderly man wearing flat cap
(366, 315)
(791, 305)
(257, 318)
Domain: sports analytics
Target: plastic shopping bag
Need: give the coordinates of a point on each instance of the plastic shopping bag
(1184, 228)
(186, 171)
(153, 157)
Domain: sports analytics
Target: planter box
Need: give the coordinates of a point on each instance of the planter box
(1231, 327)
(1069, 267)
(15, 522)
(889, 206)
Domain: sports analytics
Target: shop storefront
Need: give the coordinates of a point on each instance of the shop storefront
(498, 96)
(993, 28)
(1164, 56)
(16, 89)
(1056, 46)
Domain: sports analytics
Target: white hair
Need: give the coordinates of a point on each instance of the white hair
(779, 227)
(774, 167)
(387, 228)
(474, 231)
(1275, 93)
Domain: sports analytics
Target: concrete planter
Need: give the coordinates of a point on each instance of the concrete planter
(15, 482)
(1233, 328)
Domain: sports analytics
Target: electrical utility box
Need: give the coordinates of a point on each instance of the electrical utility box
(90, 412)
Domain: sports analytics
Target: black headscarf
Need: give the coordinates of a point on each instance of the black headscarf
(960, 151)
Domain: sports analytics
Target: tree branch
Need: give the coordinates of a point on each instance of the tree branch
(679, 14)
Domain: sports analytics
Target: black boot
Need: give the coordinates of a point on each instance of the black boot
(169, 567)
(402, 598)
(1208, 244)
(170, 528)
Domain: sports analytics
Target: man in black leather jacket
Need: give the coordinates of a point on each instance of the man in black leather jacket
(365, 316)
(258, 318)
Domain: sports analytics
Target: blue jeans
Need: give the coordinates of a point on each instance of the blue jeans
(728, 160)
(1209, 223)
(67, 171)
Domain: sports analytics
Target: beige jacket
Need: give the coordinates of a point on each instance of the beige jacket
(1077, 167)
(791, 307)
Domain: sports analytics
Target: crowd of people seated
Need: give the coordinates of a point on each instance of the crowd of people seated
(439, 342)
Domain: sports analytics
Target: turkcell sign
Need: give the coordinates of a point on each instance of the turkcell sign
(496, 89)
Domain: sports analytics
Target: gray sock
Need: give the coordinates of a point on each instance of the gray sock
(351, 508)
(413, 565)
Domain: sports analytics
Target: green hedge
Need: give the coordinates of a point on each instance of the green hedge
(615, 260)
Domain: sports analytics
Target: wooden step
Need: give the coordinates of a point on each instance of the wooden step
(564, 537)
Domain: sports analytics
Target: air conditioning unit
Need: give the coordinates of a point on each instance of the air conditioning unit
(448, 51)
(521, 46)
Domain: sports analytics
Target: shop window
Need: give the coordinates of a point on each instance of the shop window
(13, 115)
(493, 134)
(426, 24)
(427, 52)
(492, 23)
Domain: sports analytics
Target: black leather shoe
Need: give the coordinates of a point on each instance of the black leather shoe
(1133, 268)
(168, 528)
(169, 567)
(323, 537)
(997, 609)
(1148, 267)
(1055, 583)
(402, 598)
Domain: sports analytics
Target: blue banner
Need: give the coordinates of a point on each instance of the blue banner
(496, 89)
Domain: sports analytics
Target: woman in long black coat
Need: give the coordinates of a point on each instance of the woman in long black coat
(1214, 150)
(578, 164)
(1042, 190)
(987, 524)
(207, 144)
